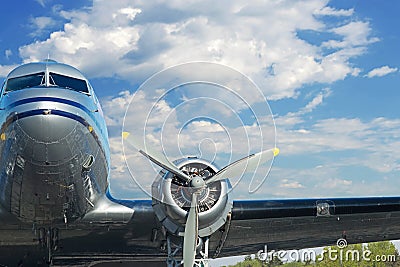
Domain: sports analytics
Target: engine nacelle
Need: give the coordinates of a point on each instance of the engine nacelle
(172, 198)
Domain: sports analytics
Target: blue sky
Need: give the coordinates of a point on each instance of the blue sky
(328, 68)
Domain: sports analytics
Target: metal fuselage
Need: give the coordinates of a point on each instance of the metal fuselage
(54, 152)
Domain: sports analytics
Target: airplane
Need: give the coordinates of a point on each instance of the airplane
(56, 207)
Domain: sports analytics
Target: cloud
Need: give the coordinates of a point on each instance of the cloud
(206, 126)
(293, 118)
(372, 141)
(42, 2)
(355, 34)
(4, 70)
(382, 71)
(316, 101)
(290, 184)
(135, 39)
(335, 184)
(8, 53)
(329, 11)
(129, 12)
(338, 146)
(41, 24)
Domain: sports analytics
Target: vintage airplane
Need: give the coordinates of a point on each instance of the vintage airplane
(56, 208)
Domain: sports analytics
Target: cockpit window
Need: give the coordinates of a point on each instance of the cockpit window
(26, 81)
(39, 80)
(68, 82)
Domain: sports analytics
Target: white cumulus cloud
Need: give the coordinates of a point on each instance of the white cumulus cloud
(8, 53)
(133, 39)
(40, 24)
(329, 11)
(382, 71)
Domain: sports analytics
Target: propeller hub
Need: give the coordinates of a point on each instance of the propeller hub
(197, 182)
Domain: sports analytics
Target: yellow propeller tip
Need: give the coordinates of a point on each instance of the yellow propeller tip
(276, 151)
(125, 135)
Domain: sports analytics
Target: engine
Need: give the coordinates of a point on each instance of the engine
(172, 198)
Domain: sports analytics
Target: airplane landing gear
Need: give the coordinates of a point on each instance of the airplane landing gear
(202, 251)
(48, 239)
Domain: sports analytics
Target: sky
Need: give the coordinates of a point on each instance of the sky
(329, 70)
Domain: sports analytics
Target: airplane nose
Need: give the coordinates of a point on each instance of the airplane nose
(47, 128)
(48, 138)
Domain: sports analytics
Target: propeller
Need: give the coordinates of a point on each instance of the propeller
(157, 158)
(191, 233)
(246, 164)
(235, 169)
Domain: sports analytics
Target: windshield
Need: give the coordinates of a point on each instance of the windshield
(38, 79)
(68, 82)
(31, 80)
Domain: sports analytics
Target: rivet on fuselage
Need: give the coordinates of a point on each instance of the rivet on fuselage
(47, 112)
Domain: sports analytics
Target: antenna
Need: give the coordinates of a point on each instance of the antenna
(48, 59)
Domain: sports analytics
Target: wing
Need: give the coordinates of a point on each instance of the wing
(129, 230)
(304, 223)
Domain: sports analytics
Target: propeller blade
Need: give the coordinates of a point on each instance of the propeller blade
(152, 154)
(246, 164)
(191, 234)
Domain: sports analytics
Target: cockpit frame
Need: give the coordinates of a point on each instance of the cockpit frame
(51, 75)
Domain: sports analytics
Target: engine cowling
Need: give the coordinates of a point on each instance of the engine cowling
(172, 198)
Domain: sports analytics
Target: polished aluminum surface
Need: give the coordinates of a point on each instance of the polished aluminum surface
(47, 65)
(48, 134)
(171, 201)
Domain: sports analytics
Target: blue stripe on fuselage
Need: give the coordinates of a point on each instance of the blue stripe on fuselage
(50, 99)
(57, 100)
